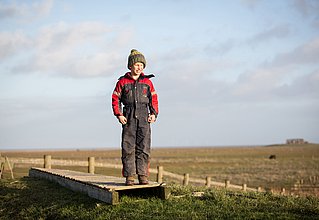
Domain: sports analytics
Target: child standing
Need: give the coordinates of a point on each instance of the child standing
(140, 108)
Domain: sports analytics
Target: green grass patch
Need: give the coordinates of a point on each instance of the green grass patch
(30, 198)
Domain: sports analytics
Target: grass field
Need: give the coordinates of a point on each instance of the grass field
(30, 198)
(250, 165)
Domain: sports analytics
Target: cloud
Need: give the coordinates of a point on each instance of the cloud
(250, 3)
(305, 86)
(101, 63)
(255, 85)
(201, 82)
(308, 53)
(268, 81)
(307, 7)
(222, 48)
(84, 49)
(63, 35)
(277, 32)
(179, 54)
(12, 43)
(25, 12)
(273, 33)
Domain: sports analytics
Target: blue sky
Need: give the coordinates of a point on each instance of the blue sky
(227, 72)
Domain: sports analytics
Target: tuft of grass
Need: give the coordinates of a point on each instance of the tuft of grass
(30, 198)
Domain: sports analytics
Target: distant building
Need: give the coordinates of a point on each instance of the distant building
(296, 141)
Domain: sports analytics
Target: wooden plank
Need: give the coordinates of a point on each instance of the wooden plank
(110, 197)
(105, 188)
(107, 182)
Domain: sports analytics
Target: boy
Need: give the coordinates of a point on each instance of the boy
(136, 92)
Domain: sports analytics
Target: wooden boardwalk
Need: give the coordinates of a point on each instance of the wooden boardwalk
(108, 189)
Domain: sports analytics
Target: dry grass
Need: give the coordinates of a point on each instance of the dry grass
(250, 165)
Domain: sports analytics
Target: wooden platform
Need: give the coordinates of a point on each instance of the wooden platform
(108, 189)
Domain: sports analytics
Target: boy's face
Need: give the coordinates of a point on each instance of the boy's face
(137, 69)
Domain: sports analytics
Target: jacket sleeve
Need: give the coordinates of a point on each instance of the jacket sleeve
(153, 101)
(116, 100)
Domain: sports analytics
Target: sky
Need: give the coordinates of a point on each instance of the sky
(233, 72)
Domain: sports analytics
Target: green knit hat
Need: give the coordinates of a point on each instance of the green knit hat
(135, 57)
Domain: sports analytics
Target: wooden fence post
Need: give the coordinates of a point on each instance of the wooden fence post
(227, 182)
(312, 179)
(47, 161)
(208, 181)
(159, 174)
(1, 169)
(186, 179)
(91, 167)
(283, 191)
(244, 187)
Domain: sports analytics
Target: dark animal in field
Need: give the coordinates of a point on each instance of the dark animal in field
(272, 157)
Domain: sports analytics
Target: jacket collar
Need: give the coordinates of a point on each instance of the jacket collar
(128, 75)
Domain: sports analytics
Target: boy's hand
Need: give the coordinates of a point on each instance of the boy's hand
(122, 119)
(151, 118)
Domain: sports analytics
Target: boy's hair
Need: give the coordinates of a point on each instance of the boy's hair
(135, 57)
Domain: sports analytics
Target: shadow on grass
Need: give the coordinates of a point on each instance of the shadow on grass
(32, 198)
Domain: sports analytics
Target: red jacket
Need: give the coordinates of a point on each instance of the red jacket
(132, 93)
